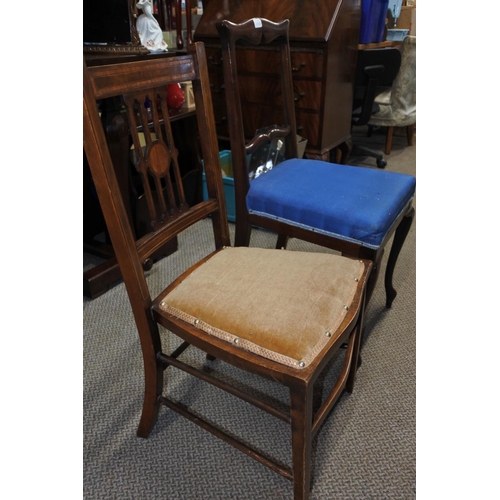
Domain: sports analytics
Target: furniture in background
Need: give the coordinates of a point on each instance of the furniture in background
(353, 210)
(398, 105)
(279, 314)
(376, 70)
(169, 14)
(323, 41)
(109, 26)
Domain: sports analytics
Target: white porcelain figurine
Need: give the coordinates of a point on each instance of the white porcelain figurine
(148, 28)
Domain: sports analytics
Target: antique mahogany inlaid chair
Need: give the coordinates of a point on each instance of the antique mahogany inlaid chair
(314, 301)
(351, 209)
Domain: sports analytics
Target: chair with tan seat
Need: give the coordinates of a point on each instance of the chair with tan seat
(279, 314)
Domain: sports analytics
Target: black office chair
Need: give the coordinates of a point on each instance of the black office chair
(375, 72)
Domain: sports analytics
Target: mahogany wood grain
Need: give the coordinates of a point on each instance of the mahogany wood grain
(323, 42)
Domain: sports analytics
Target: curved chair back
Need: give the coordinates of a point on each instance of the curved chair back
(404, 88)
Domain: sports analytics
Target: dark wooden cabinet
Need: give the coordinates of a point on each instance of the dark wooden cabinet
(323, 41)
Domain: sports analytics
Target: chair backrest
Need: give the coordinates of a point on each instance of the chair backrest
(375, 69)
(404, 87)
(272, 36)
(156, 163)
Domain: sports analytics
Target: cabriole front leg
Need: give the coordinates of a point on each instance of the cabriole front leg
(397, 244)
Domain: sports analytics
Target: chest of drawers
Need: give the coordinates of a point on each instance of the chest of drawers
(323, 42)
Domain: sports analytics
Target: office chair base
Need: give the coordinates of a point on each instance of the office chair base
(364, 151)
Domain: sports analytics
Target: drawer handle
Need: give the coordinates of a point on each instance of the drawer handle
(217, 91)
(301, 95)
(301, 65)
(213, 62)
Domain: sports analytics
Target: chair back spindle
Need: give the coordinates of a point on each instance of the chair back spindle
(155, 155)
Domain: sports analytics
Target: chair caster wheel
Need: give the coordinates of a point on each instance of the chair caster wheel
(381, 163)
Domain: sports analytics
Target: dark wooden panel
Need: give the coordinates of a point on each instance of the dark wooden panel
(310, 20)
(323, 43)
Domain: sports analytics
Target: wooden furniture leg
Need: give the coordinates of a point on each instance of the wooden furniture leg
(410, 134)
(178, 24)
(189, 28)
(168, 9)
(397, 244)
(388, 140)
(343, 152)
(301, 410)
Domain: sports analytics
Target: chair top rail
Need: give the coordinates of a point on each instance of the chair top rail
(116, 79)
(247, 32)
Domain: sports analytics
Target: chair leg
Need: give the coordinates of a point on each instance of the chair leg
(356, 357)
(151, 404)
(410, 134)
(388, 140)
(153, 372)
(372, 280)
(301, 399)
(242, 232)
(397, 244)
(282, 241)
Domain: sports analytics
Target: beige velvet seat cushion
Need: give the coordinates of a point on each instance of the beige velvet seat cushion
(279, 304)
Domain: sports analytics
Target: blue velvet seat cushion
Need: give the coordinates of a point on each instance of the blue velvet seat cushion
(356, 204)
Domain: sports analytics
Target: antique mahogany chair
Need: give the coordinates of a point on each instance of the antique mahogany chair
(314, 302)
(350, 209)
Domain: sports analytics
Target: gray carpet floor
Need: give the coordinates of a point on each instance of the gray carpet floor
(365, 450)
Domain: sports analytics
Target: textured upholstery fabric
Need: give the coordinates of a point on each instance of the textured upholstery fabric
(276, 303)
(354, 203)
(398, 105)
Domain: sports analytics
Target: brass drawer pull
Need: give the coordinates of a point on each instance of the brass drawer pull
(301, 95)
(301, 65)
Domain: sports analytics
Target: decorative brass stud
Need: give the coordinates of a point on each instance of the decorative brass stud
(196, 321)
(356, 279)
(328, 334)
(236, 340)
(346, 308)
(302, 364)
(162, 303)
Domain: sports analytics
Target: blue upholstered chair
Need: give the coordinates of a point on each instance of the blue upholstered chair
(354, 210)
